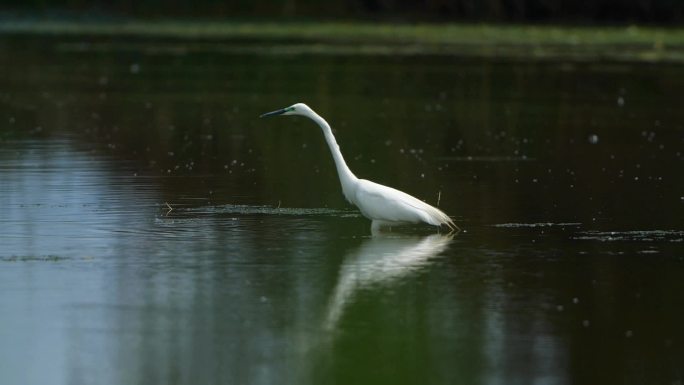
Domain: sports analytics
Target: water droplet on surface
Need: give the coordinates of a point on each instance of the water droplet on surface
(620, 101)
(134, 68)
(593, 138)
(629, 334)
(585, 323)
(559, 307)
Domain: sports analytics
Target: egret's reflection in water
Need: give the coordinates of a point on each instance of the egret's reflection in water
(381, 260)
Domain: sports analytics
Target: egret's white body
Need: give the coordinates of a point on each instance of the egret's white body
(384, 206)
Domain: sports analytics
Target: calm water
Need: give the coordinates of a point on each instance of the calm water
(566, 178)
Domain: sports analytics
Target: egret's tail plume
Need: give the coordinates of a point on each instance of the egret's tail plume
(446, 221)
(437, 217)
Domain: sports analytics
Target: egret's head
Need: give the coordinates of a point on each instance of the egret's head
(295, 109)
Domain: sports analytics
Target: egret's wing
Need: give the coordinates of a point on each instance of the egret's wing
(385, 203)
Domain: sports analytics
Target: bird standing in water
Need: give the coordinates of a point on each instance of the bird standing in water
(384, 206)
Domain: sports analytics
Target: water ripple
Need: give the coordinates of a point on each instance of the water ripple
(267, 210)
(632, 236)
(541, 224)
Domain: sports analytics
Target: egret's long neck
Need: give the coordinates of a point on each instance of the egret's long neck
(347, 178)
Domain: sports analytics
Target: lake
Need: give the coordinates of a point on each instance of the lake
(155, 230)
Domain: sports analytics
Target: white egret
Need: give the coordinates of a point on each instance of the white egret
(383, 205)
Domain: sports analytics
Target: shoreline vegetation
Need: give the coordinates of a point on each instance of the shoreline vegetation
(511, 42)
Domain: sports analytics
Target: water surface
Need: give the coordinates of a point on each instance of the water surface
(154, 230)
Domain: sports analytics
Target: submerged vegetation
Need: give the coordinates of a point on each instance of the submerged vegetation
(630, 43)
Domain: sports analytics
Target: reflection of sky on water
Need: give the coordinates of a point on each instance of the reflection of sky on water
(62, 202)
(513, 349)
(100, 287)
(61, 210)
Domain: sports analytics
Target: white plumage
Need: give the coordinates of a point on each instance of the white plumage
(384, 206)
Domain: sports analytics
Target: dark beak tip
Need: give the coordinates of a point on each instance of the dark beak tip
(273, 113)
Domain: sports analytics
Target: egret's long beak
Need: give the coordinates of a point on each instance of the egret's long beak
(273, 113)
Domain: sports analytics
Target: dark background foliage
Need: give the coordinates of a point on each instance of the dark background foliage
(539, 11)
